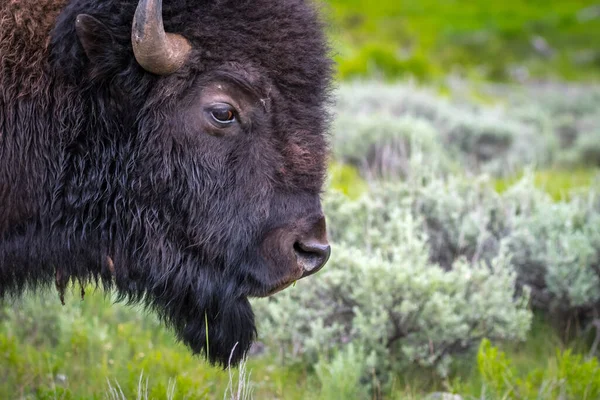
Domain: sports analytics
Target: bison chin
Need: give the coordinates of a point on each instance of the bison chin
(223, 333)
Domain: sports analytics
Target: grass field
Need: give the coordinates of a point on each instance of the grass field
(94, 349)
(428, 39)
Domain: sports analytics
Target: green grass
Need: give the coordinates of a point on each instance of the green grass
(532, 366)
(560, 184)
(479, 39)
(94, 349)
(346, 179)
(566, 374)
(88, 345)
(81, 350)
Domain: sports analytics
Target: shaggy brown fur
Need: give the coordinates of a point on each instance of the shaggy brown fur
(24, 38)
(114, 175)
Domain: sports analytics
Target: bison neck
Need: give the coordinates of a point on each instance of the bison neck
(27, 109)
(42, 116)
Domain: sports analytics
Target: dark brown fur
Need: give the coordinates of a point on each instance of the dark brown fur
(107, 173)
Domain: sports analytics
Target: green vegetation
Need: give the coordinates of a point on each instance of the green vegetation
(477, 39)
(79, 350)
(346, 179)
(446, 240)
(94, 349)
(379, 127)
(82, 350)
(567, 376)
(91, 348)
(464, 218)
(558, 183)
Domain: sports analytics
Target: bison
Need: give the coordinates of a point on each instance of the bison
(172, 153)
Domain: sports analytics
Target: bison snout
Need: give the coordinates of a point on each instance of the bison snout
(312, 249)
(312, 256)
(293, 252)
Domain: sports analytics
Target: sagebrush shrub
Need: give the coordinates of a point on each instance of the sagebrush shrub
(383, 145)
(382, 291)
(377, 126)
(556, 249)
(423, 269)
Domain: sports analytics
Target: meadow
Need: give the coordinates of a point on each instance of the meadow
(463, 207)
(512, 40)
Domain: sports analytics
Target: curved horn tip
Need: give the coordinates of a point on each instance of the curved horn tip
(155, 50)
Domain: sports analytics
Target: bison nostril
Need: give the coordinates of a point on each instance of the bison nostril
(312, 256)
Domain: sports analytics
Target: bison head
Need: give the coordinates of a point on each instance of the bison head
(189, 164)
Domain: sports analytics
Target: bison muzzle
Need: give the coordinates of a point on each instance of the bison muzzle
(174, 153)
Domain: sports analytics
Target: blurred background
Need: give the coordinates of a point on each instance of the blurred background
(464, 214)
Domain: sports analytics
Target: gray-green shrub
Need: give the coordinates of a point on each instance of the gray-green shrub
(377, 126)
(375, 121)
(556, 248)
(382, 291)
(423, 269)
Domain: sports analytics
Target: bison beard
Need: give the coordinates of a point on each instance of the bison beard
(224, 321)
(186, 304)
(115, 172)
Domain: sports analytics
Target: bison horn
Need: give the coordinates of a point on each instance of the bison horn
(155, 50)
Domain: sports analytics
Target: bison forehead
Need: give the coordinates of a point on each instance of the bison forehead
(276, 46)
(283, 39)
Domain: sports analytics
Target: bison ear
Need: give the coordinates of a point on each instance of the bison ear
(95, 37)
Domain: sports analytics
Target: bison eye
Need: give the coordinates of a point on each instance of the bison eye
(222, 114)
